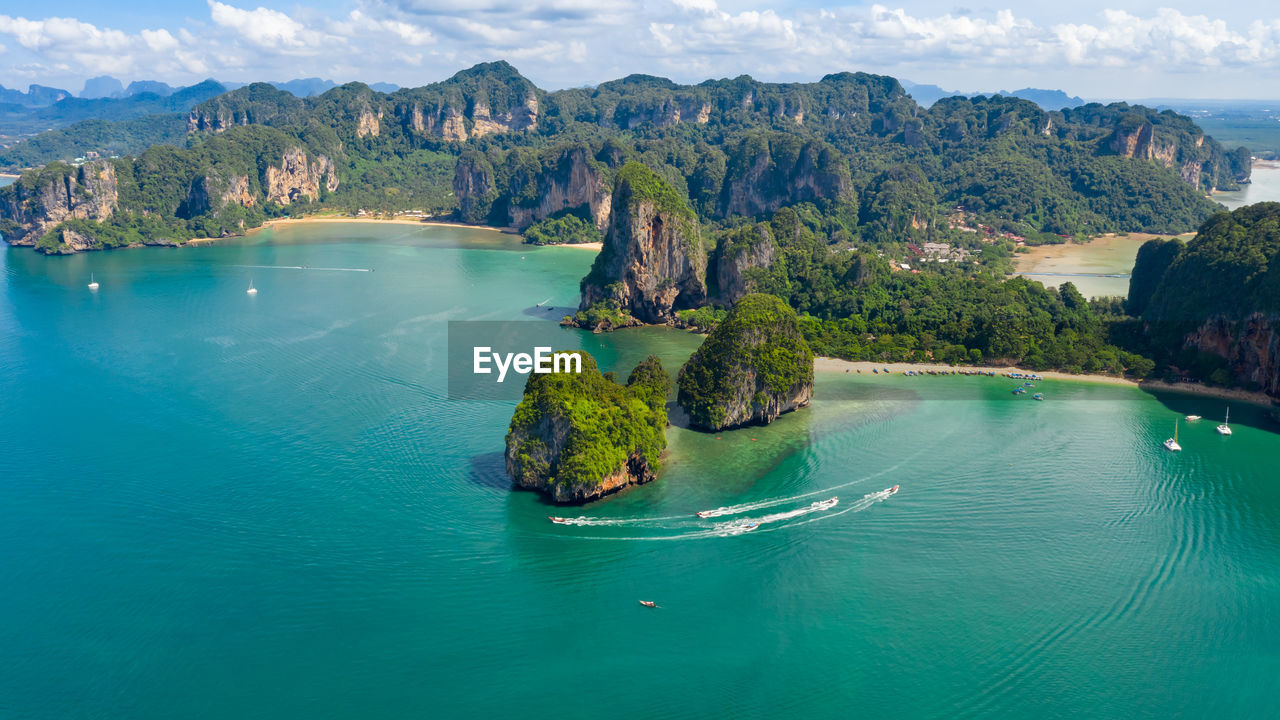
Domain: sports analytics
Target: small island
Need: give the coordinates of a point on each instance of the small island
(752, 368)
(579, 436)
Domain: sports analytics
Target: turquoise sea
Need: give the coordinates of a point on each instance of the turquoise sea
(214, 505)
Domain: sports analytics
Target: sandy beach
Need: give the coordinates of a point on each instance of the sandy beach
(826, 364)
(594, 247)
(387, 221)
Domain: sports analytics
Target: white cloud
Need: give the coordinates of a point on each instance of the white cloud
(569, 42)
(268, 29)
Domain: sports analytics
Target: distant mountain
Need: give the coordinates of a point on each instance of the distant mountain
(36, 96)
(384, 87)
(155, 87)
(1046, 99)
(927, 95)
(103, 86)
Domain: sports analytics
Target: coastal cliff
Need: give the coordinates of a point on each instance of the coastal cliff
(1213, 305)
(42, 199)
(652, 262)
(131, 202)
(579, 436)
(569, 179)
(752, 368)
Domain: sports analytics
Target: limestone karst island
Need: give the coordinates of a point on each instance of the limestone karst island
(693, 358)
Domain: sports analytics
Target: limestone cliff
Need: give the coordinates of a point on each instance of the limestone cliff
(1214, 310)
(1250, 346)
(569, 180)
(1204, 166)
(211, 191)
(579, 436)
(41, 199)
(738, 253)
(653, 262)
(754, 366)
(767, 171)
(473, 186)
(297, 176)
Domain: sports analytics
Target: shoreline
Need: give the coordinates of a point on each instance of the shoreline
(827, 364)
(388, 221)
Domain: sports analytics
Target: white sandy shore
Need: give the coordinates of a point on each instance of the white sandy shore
(826, 364)
(387, 221)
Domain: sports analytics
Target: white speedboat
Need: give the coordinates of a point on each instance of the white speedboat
(825, 504)
(1225, 427)
(1172, 443)
(1192, 418)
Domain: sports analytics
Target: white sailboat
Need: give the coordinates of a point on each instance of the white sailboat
(252, 290)
(93, 284)
(1225, 427)
(1172, 443)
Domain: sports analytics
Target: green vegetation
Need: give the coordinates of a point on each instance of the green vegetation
(604, 314)
(1210, 308)
(755, 357)
(567, 229)
(606, 423)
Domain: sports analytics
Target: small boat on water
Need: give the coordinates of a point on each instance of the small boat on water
(649, 603)
(559, 520)
(750, 526)
(711, 513)
(93, 284)
(893, 490)
(1192, 418)
(825, 504)
(1172, 443)
(252, 290)
(1225, 427)
(1037, 396)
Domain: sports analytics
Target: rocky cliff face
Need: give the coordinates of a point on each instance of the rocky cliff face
(1250, 346)
(44, 198)
(579, 436)
(473, 186)
(653, 262)
(1211, 308)
(572, 182)
(738, 252)
(766, 172)
(1199, 166)
(752, 368)
(299, 177)
(211, 192)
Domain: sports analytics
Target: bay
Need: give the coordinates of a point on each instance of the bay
(219, 505)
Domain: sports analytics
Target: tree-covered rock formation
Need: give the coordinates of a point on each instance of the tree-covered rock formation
(579, 436)
(1213, 308)
(752, 368)
(490, 147)
(653, 262)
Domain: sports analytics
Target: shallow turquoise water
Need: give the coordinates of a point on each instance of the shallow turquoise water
(218, 506)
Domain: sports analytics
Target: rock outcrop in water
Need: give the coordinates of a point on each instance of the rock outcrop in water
(652, 263)
(579, 436)
(41, 200)
(1213, 306)
(752, 368)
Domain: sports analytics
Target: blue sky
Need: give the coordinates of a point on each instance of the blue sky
(1092, 48)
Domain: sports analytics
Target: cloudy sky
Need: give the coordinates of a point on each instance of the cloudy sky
(1092, 48)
